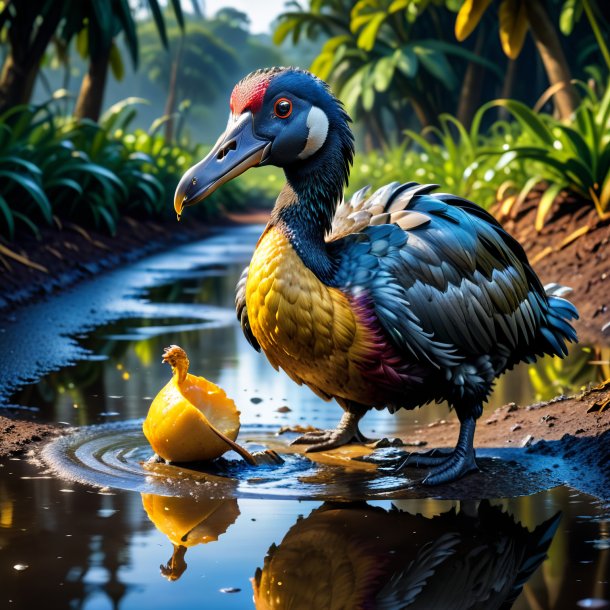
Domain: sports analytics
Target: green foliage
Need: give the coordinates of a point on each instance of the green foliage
(511, 158)
(572, 156)
(384, 58)
(553, 376)
(81, 171)
(460, 161)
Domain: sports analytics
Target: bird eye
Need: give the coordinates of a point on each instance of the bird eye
(283, 108)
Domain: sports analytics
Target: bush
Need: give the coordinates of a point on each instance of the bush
(53, 166)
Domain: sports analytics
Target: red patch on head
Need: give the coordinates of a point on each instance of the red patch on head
(248, 95)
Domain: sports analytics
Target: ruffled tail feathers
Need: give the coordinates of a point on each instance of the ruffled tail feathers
(558, 329)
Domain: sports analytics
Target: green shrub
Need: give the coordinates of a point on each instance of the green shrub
(90, 173)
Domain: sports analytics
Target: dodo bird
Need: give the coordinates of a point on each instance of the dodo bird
(389, 300)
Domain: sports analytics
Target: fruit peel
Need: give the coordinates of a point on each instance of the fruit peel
(180, 421)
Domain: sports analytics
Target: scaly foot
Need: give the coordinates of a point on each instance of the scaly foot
(423, 459)
(449, 465)
(458, 465)
(321, 440)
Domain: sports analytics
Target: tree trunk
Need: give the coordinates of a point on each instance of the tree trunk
(16, 82)
(470, 94)
(507, 87)
(172, 93)
(553, 58)
(91, 95)
(25, 53)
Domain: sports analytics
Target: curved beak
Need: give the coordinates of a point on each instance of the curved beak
(237, 149)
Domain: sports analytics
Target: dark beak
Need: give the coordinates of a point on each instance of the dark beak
(237, 149)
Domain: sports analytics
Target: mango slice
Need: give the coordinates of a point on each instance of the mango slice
(191, 418)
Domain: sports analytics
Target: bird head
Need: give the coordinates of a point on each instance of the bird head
(278, 116)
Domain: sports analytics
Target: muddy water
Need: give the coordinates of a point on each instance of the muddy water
(131, 545)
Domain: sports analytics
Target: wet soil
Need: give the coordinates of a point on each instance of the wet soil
(19, 435)
(65, 255)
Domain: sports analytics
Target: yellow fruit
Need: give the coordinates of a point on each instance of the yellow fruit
(187, 415)
(187, 521)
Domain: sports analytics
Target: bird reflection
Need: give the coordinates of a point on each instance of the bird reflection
(358, 556)
(188, 522)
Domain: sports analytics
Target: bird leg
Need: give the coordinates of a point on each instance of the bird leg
(346, 432)
(448, 465)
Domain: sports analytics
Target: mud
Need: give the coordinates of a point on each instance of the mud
(17, 435)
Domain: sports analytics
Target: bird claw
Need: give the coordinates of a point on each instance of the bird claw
(323, 440)
(423, 459)
(457, 466)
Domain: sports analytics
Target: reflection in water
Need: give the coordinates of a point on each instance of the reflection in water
(188, 522)
(359, 556)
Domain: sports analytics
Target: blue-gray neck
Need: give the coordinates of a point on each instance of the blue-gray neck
(306, 206)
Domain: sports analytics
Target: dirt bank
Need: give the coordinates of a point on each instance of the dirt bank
(64, 256)
(572, 249)
(18, 435)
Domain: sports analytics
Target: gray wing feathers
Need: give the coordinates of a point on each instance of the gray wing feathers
(441, 274)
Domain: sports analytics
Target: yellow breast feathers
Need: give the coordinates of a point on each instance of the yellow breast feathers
(302, 325)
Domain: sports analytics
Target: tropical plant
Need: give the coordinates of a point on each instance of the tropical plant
(383, 58)
(571, 156)
(462, 161)
(195, 68)
(96, 24)
(56, 168)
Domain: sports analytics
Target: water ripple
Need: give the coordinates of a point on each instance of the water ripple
(115, 455)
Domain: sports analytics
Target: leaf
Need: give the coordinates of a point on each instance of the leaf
(546, 202)
(570, 14)
(29, 224)
(573, 236)
(527, 188)
(436, 63)
(22, 259)
(406, 61)
(155, 9)
(368, 35)
(8, 216)
(109, 220)
(65, 183)
(123, 12)
(513, 26)
(468, 17)
(398, 5)
(116, 63)
(384, 71)
(454, 49)
(283, 29)
(32, 189)
(22, 163)
(177, 6)
(82, 42)
(527, 118)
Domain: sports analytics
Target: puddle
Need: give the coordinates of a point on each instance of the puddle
(93, 356)
(111, 548)
(116, 456)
